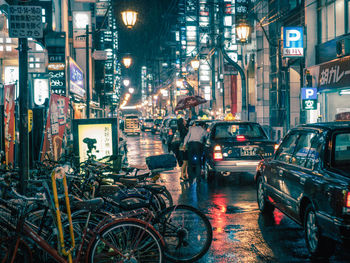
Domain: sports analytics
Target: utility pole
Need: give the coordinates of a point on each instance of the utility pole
(213, 45)
(23, 113)
(87, 73)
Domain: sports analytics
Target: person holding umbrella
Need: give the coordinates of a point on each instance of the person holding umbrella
(194, 139)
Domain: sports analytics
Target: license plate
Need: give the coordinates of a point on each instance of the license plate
(248, 151)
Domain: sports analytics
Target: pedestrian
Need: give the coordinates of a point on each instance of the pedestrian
(194, 142)
(182, 129)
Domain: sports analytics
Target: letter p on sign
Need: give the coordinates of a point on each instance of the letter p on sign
(309, 93)
(292, 36)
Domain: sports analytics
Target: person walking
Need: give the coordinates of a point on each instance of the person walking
(183, 130)
(194, 142)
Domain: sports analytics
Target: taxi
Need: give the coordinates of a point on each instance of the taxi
(234, 147)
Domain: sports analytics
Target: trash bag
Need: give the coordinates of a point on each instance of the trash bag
(163, 161)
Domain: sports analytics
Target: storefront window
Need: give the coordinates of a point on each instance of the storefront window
(337, 102)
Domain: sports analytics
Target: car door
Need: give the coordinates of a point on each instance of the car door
(276, 168)
(293, 175)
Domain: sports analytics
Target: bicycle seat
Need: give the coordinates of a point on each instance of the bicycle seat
(128, 182)
(91, 205)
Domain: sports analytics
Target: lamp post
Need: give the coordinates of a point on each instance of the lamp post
(129, 18)
(127, 61)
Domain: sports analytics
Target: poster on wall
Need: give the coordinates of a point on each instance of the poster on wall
(9, 119)
(55, 127)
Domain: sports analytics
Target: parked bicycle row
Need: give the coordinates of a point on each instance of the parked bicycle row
(91, 213)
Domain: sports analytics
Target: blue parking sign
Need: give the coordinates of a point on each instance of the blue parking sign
(293, 41)
(309, 93)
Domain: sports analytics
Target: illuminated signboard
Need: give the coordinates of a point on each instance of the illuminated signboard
(293, 41)
(104, 131)
(76, 79)
(41, 91)
(309, 98)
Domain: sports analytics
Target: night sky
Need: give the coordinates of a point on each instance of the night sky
(143, 41)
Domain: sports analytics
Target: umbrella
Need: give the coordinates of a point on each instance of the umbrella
(189, 102)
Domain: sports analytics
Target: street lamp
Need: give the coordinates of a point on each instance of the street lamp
(126, 82)
(129, 18)
(243, 31)
(195, 64)
(127, 61)
(131, 90)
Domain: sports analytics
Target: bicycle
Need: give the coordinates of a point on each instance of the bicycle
(23, 232)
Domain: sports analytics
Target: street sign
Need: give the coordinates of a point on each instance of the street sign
(293, 41)
(25, 21)
(309, 98)
(309, 104)
(309, 93)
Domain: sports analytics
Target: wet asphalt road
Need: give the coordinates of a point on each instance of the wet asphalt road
(240, 233)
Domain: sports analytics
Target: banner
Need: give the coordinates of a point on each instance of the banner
(55, 127)
(9, 118)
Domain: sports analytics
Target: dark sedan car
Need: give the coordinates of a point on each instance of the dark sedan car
(156, 126)
(308, 179)
(234, 147)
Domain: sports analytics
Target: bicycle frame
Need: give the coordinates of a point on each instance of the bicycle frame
(60, 174)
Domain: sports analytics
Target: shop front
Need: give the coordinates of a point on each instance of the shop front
(333, 87)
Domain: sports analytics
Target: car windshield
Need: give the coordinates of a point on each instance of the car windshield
(341, 156)
(131, 117)
(148, 120)
(158, 121)
(232, 130)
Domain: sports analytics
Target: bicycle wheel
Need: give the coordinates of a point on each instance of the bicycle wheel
(127, 240)
(166, 198)
(186, 231)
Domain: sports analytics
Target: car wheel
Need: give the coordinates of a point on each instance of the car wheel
(264, 205)
(318, 245)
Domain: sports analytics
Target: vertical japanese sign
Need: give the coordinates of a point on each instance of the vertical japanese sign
(9, 118)
(25, 21)
(55, 127)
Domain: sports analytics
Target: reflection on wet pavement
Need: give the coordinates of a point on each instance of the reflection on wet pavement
(240, 232)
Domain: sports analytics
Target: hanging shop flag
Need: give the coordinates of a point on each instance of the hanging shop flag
(9, 118)
(55, 127)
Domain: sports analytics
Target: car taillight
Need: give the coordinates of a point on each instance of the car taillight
(170, 132)
(347, 200)
(154, 126)
(240, 138)
(217, 155)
